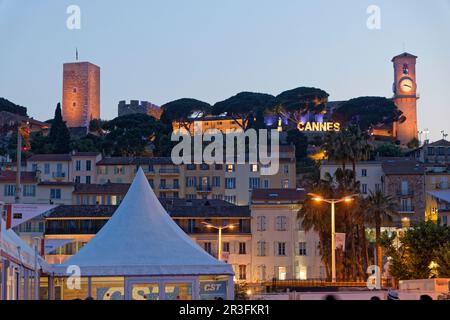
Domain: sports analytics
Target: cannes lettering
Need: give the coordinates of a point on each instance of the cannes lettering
(244, 309)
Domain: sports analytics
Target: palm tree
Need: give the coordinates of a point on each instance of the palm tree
(380, 210)
(359, 146)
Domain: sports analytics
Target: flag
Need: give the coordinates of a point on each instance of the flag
(17, 214)
(340, 241)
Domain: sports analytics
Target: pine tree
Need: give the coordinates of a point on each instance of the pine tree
(59, 136)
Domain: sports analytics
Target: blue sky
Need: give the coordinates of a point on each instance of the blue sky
(210, 50)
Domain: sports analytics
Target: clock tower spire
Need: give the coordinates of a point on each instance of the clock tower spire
(405, 97)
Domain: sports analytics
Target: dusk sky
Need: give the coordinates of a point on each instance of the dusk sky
(210, 50)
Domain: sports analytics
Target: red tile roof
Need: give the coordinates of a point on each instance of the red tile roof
(279, 195)
(50, 157)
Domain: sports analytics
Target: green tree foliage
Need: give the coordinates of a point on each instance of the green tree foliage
(387, 150)
(300, 141)
(6, 105)
(59, 136)
(181, 110)
(90, 143)
(130, 135)
(420, 245)
(248, 106)
(367, 112)
(379, 211)
(294, 103)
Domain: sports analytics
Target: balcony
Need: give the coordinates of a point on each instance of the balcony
(407, 209)
(59, 175)
(204, 188)
(442, 185)
(169, 171)
(405, 193)
(168, 187)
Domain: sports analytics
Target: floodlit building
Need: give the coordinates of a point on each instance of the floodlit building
(142, 254)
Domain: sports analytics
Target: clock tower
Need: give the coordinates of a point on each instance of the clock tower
(405, 96)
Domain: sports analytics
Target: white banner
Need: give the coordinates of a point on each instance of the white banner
(20, 213)
(53, 244)
(340, 241)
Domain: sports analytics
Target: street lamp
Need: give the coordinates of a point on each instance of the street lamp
(333, 202)
(220, 228)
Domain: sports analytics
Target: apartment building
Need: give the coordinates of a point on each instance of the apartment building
(220, 123)
(281, 248)
(436, 152)
(368, 173)
(77, 167)
(401, 178)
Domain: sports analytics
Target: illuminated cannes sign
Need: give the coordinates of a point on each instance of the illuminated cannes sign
(319, 126)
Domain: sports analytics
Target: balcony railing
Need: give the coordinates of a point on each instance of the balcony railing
(169, 187)
(405, 193)
(204, 188)
(59, 175)
(407, 209)
(169, 170)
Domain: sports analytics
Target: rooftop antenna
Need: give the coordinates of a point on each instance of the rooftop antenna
(444, 135)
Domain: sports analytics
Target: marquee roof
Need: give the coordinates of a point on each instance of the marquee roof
(142, 239)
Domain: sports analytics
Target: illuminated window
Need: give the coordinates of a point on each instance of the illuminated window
(74, 104)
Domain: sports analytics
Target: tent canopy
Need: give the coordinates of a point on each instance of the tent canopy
(142, 239)
(14, 248)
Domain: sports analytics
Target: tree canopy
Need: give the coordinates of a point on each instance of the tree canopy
(6, 105)
(299, 101)
(246, 106)
(59, 135)
(367, 112)
(182, 109)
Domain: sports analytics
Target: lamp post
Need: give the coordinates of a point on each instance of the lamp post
(220, 228)
(333, 203)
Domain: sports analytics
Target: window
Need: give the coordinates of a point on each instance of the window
(230, 183)
(281, 273)
(302, 249)
(47, 168)
(29, 190)
(281, 248)
(207, 246)
(152, 183)
(191, 181)
(176, 183)
(77, 179)
(261, 248)
(229, 168)
(286, 169)
(441, 151)
(253, 183)
(88, 179)
(191, 166)
(34, 167)
(363, 172)
(261, 223)
(377, 187)
(242, 248)
(364, 188)
(191, 196)
(242, 272)
(88, 165)
(204, 167)
(59, 168)
(78, 165)
(430, 151)
(226, 247)
(55, 193)
(281, 223)
(218, 167)
(254, 168)
(216, 181)
(266, 184)
(10, 190)
(285, 184)
(74, 90)
(262, 273)
(74, 104)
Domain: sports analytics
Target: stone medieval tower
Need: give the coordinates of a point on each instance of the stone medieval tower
(405, 96)
(81, 93)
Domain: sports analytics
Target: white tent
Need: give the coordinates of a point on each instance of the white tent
(17, 257)
(141, 239)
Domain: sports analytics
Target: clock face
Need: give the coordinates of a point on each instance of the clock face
(406, 85)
